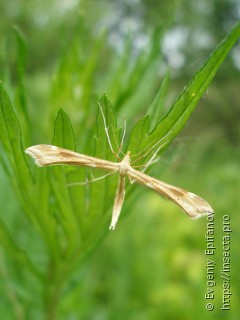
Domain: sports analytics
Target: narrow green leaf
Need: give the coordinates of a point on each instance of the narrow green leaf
(138, 135)
(71, 200)
(193, 92)
(106, 121)
(174, 121)
(11, 139)
(63, 132)
(68, 218)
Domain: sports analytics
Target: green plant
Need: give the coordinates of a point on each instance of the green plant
(65, 224)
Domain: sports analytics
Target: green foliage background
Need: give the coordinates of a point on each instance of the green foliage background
(58, 259)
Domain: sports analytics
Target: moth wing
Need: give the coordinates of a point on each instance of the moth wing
(193, 205)
(45, 155)
(118, 202)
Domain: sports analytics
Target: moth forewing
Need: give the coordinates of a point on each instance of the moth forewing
(46, 155)
(193, 205)
(118, 201)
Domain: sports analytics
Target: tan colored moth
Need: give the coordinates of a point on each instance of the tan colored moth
(191, 204)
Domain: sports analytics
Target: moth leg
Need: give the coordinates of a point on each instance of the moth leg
(107, 134)
(74, 184)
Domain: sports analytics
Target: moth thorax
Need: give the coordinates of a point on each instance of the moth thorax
(125, 164)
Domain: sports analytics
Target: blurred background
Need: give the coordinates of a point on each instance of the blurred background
(153, 266)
